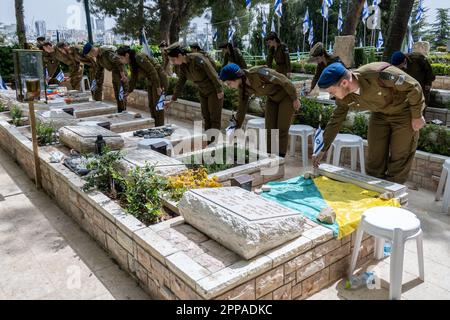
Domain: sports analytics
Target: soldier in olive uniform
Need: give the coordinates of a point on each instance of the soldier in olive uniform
(51, 63)
(144, 66)
(319, 55)
(417, 66)
(74, 59)
(396, 101)
(232, 55)
(279, 52)
(165, 58)
(281, 96)
(195, 47)
(196, 68)
(106, 58)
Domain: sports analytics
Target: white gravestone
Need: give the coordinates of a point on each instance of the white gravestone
(82, 138)
(240, 220)
(164, 165)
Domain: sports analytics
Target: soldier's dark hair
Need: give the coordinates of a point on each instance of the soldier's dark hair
(230, 48)
(176, 51)
(122, 51)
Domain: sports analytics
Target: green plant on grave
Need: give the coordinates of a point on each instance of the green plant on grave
(311, 111)
(16, 116)
(360, 125)
(2, 107)
(435, 139)
(104, 175)
(45, 133)
(142, 194)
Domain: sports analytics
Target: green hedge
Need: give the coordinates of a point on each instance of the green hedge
(7, 63)
(435, 139)
(441, 69)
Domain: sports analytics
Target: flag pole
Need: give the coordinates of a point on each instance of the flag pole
(323, 30)
(303, 47)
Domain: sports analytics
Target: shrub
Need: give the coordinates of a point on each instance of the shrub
(311, 111)
(310, 68)
(2, 107)
(441, 49)
(231, 99)
(7, 63)
(45, 133)
(359, 57)
(441, 69)
(190, 91)
(16, 116)
(360, 125)
(297, 67)
(435, 139)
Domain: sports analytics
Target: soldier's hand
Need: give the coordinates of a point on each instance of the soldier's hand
(220, 95)
(317, 158)
(296, 104)
(418, 124)
(124, 78)
(167, 104)
(159, 91)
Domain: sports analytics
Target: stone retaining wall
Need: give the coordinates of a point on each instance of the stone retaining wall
(172, 260)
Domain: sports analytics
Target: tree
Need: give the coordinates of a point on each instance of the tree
(352, 18)
(441, 29)
(397, 29)
(419, 28)
(20, 21)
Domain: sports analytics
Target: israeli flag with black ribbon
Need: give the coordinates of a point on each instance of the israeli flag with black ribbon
(160, 104)
(60, 76)
(318, 141)
(121, 93)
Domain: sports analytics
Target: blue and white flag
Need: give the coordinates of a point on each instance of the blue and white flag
(272, 27)
(306, 22)
(365, 12)
(298, 53)
(94, 85)
(311, 35)
(318, 141)
(231, 31)
(248, 3)
(419, 12)
(340, 19)
(46, 76)
(380, 41)
(330, 48)
(160, 104)
(375, 14)
(146, 48)
(278, 8)
(215, 35)
(324, 9)
(121, 93)
(3, 85)
(264, 24)
(329, 3)
(60, 76)
(410, 40)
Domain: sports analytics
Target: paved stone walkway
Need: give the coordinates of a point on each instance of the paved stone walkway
(43, 252)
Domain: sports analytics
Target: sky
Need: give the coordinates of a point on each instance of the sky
(67, 13)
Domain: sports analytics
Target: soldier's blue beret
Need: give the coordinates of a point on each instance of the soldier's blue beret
(397, 58)
(331, 75)
(87, 48)
(230, 72)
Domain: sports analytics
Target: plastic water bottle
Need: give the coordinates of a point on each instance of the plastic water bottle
(356, 282)
(387, 249)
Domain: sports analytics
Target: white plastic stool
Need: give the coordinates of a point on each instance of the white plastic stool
(303, 131)
(396, 225)
(355, 143)
(83, 83)
(260, 125)
(444, 181)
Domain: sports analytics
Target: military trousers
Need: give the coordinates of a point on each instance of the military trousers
(392, 144)
(211, 109)
(279, 115)
(153, 98)
(76, 75)
(116, 81)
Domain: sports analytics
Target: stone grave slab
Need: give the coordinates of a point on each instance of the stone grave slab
(82, 138)
(123, 122)
(57, 117)
(364, 181)
(92, 109)
(164, 165)
(240, 220)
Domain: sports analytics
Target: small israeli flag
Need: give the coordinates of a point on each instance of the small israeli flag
(311, 35)
(318, 141)
(324, 10)
(248, 3)
(94, 85)
(60, 76)
(3, 85)
(160, 104)
(121, 93)
(278, 8)
(306, 21)
(380, 41)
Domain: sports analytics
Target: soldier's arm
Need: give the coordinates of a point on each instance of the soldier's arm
(414, 94)
(319, 70)
(212, 74)
(242, 111)
(269, 60)
(429, 75)
(225, 60)
(334, 125)
(133, 81)
(117, 63)
(284, 82)
(180, 85)
(150, 72)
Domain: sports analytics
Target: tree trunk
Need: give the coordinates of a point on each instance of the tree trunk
(397, 29)
(352, 19)
(165, 20)
(20, 23)
(141, 18)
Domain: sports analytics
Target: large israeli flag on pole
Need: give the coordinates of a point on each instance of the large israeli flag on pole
(264, 24)
(318, 141)
(311, 35)
(231, 31)
(278, 8)
(306, 22)
(340, 19)
(146, 48)
(272, 27)
(60, 76)
(365, 12)
(419, 12)
(324, 9)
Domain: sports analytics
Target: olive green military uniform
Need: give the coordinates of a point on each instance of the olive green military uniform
(320, 67)
(72, 60)
(157, 78)
(167, 67)
(199, 70)
(418, 67)
(395, 98)
(281, 57)
(237, 58)
(279, 111)
(109, 60)
(51, 63)
(210, 59)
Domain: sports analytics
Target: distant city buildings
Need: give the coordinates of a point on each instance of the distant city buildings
(41, 29)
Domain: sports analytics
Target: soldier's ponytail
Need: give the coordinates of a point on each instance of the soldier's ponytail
(122, 51)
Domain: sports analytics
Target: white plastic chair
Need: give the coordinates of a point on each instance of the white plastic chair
(444, 181)
(302, 131)
(396, 225)
(83, 84)
(355, 143)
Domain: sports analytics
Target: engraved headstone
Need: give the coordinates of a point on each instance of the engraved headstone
(91, 109)
(82, 138)
(57, 117)
(164, 165)
(240, 220)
